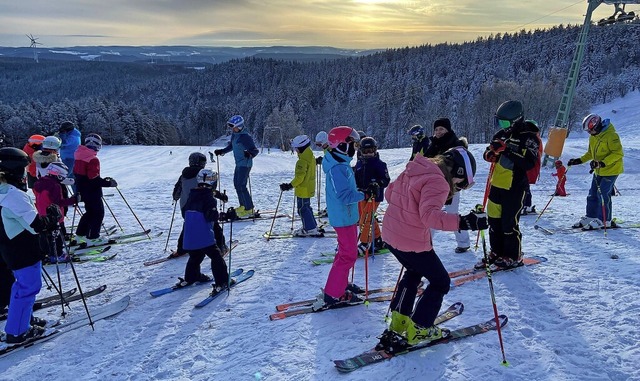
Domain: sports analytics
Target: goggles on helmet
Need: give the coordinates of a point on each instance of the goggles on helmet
(501, 123)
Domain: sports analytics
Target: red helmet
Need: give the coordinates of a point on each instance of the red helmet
(558, 163)
(341, 136)
(592, 122)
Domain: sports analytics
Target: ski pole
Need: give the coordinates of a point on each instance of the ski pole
(395, 291)
(75, 275)
(112, 214)
(132, 212)
(251, 195)
(293, 211)
(233, 214)
(175, 203)
(487, 187)
(53, 253)
(274, 215)
(318, 184)
(493, 295)
(49, 281)
(604, 211)
(370, 248)
(219, 177)
(535, 223)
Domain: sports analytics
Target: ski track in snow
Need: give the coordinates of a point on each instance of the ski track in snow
(574, 317)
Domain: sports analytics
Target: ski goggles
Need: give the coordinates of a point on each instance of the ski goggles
(501, 123)
(369, 151)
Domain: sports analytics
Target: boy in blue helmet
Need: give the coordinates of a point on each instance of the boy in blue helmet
(244, 150)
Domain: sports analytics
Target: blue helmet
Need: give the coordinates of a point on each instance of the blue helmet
(236, 121)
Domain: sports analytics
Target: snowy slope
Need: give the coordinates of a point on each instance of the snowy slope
(575, 317)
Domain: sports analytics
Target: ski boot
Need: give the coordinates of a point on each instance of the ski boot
(417, 334)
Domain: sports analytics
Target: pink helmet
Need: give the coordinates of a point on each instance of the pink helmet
(341, 136)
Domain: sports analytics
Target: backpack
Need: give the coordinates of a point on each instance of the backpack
(534, 173)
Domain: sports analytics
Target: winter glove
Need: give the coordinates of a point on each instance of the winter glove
(513, 144)
(52, 218)
(319, 160)
(574, 162)
(222, 216)
(220, 196)
(211, 157)
(473, 221)
(498, 146)
(218, 152)
(231, 214)
(247, 154)
(112, 182)
(596, 164)
(372, 190)
(285, 187)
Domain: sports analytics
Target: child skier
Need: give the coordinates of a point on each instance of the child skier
(561, 175)
(342, 204)
(33, 145)
(371, 173)
(304, 183)
(49, 192)
(89, 185)
(20, 245)
(416, 199)
(48, 154)
(199, 239)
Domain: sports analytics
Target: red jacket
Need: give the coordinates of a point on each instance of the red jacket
(49, 191)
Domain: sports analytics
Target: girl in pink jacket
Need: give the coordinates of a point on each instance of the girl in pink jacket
(415, 200)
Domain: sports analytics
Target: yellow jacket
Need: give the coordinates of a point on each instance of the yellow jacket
(606, 147)
(304, 180)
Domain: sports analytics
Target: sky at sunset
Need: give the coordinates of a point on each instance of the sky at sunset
(356, 24)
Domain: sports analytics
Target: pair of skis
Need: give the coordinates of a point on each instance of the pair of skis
(374, 355)
(120, 239)
(239, 275)
(68, 326)
(458, 278)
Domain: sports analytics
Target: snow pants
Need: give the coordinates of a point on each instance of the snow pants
(240, 180)
(218, 265)
(345, 259)
(597, 197)
(23, 296)
(306, 213)
(91, 221)
(503, 210)
(462, 236)
(424, 264)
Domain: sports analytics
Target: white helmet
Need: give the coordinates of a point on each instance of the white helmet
(51, 143)
(58, 169)
(207, 176)
(322, 138)
(300, 141)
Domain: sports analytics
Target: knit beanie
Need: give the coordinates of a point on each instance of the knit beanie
(442, 122)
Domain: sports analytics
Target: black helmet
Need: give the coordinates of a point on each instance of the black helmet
(13, 164)
(509, 111)
(463, 166)
(368, 146)
(66, 126)
(197, 159)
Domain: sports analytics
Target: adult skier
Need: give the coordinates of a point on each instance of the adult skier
(244, 150)
(71, 139)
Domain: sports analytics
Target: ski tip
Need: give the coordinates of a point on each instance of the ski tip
(278, 316)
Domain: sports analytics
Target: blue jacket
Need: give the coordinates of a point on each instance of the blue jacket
(241, 141)
(370, 170)
(341, 191)
(200, 214)
(70, 143)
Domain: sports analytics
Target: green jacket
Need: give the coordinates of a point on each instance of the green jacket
(606, 147)
(304, 180)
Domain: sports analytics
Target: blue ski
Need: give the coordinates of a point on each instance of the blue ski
(171, 289)
(212, 296)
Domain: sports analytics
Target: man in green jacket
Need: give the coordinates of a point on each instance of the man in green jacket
(605, 154)
(304, 182)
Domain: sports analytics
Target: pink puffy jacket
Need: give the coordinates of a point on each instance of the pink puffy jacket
(415, 200)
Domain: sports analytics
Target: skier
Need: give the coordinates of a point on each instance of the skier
(605, 153)
(442, 140)
(50, 191)
(6, 281)
(371, 174)
(322, 141)
(48, 154)
(304, 183)
(514, 149)
(416, 199)
(20, 248)
(342, 204)
(89, 184)
(199, 239)
(561, 175)
(244, 150)
(186, 182)
(420, 144)
(71, 138)
(33, 145)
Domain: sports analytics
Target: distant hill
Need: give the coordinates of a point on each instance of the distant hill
(190, 55)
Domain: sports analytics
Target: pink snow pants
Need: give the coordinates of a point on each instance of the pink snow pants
(344, 261)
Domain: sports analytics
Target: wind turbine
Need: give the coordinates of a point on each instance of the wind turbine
(34, 45)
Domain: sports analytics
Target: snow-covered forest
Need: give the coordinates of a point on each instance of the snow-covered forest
(382, 94)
